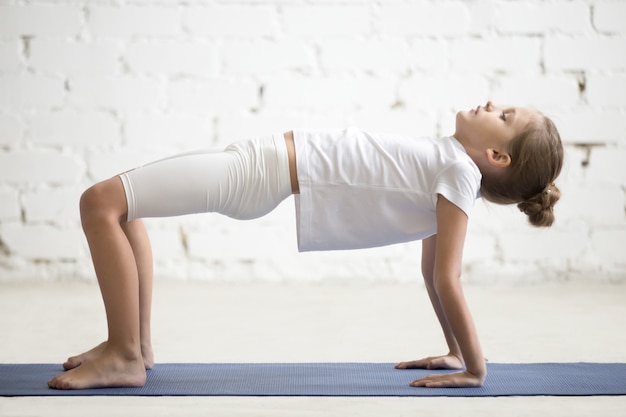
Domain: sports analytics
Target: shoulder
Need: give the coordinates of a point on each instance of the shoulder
(457, 165)
(459, 179)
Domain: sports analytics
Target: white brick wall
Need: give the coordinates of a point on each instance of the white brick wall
(89, 89)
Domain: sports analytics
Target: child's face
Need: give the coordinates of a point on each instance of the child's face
(492, 126)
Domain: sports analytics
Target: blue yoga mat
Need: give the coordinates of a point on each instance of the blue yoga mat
(331, 379)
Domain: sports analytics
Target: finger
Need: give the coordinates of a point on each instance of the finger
(431, 384)
(441, 363)
(424, 381)
(418, 383)
(454, 380)
(419, 364)
(436, 384)
(441, 384)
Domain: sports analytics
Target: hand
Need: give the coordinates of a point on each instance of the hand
(462, 379)
(448, 361)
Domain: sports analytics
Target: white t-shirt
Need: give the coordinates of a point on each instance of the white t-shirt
(361, 190)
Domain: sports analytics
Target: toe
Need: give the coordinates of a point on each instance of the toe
(71, 363)
(53, 383)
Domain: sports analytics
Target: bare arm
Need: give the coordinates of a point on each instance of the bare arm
(442, 271)
(454, 358)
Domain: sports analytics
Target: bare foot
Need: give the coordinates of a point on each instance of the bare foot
(148, 356)
(107, 370)
(75, 361)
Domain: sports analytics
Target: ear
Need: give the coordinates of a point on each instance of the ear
(498, 159)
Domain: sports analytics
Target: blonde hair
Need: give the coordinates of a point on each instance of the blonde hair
(536, 161)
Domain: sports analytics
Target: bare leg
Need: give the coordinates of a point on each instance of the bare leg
(121, 254)
(138, 238)
(103, 209)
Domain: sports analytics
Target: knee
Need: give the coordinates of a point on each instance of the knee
(101, 202)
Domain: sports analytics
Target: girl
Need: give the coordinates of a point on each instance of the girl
(353, 190)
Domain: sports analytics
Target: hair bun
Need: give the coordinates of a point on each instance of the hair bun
(540, 207)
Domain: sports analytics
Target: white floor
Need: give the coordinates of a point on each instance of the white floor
(196, 322)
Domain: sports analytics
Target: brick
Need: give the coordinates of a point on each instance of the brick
(59, 206)
(497, 220)
(174, 270)
(608, 246)
(606, 165)
(606, 90)
(31, 91)
(542, 17)
(539, 245)
(43, 242)
(430, 55)
(486, 217)
(103, 165)
(424, 19)
(241, 21)
(395, 263)
(35, 167)
(479, 247)
(479, 55)
(73, 58)
(220, 94)
(574, 164)
(10, 60)
(167, 245)
(170, 130)
(200, 271)
(129, 21)
(40, 20)
(22, 271)
(399, 121)
(481, 15)
(359, 55)
(9, 205)
(87, 129)
(446, 92)
(267, 57)
(608, 17)
(447, 119)
(140, 80)
(589, 126)
(216, 238)
(537, 91)
(235, 126)
(322, 20)
(115, 93)
(159, 57)
(11, 130)
(593, 203)
(329, 93)
(584, 54)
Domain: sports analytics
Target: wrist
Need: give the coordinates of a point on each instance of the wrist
(478, 371)
(458, 355)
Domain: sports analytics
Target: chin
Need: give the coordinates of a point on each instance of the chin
(463, 119)
(462, 116)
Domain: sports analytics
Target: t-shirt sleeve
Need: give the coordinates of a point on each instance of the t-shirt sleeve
(460, 184)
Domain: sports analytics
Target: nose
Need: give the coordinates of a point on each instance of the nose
(489, 106)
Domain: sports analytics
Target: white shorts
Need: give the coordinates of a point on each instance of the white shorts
(246, 180)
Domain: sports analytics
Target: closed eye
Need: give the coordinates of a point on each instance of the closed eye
(503, 116)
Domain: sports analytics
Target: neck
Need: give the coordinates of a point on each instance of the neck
(479, 156)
